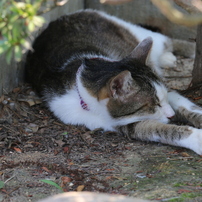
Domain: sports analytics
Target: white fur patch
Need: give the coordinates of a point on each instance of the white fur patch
(193, 142)
(68, 109)
(167, 59)
(165, 108)
(83, 55)
(176, 101)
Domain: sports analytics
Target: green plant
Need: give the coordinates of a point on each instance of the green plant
(2, 184)
(53, 184)
(18, 19)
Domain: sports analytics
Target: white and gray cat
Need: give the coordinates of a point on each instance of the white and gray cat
(96, 70)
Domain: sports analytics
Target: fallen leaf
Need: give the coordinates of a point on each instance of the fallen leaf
(4, 191)
(31, 101)
(99, 153)
(46, 169)
(71, 163)
(66, 179)
(33, 127)
(184, 154)
(65, 149)
(140, 171)
(23, 113)
(149, 175)
(2, 98)
(114, 145)
(119, 178)
(18, 150)
(16, 90)
(56, 152)
(60, 143)
(180, 191)
(28, 146)
(110, 169)
(87, 137)
(109, 177)
(80, 188)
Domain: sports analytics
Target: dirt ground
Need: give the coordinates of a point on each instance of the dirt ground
(35, 146)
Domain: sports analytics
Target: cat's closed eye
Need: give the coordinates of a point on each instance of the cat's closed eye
(137, 110)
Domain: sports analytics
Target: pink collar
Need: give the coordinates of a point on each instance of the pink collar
(82, 102)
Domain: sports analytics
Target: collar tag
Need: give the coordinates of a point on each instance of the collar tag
(82, 102)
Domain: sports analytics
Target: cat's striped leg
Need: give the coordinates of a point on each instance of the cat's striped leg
(185, 109)
(151, 130)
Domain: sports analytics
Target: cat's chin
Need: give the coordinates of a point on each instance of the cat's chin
(163, 120)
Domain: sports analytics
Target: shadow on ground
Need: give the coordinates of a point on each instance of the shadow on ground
(35, 146)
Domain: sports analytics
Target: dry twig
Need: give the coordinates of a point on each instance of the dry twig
(175, 16)
(114, 2)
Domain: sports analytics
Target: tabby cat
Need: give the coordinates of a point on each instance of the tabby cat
(96, 70)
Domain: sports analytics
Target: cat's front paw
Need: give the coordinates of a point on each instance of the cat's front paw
(194, 141)
(167, 59)
(198, 122)
(196, 116)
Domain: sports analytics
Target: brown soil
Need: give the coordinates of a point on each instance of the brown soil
(34, 146)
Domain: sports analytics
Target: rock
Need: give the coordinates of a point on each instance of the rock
(90, 197)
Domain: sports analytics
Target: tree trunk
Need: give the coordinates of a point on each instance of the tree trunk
(197, 70)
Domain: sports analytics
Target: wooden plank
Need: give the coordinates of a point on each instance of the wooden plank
(144, 12)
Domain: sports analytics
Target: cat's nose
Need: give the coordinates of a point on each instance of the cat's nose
(171, 117)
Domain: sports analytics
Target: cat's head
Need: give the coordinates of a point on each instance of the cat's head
(132, 90)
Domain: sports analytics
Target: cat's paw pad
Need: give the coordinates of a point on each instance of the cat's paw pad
(168, 60)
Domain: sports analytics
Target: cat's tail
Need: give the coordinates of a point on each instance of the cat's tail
(184, 48)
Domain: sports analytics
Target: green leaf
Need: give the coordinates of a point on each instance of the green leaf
(65, 133)
(1, 184)
(31, 26)
(9, 54)
(37, 4)
(26, 44)
(13, 18)
(2, 24)
(38, 21)
(30, 10)
(18, 53)
(16, 32)
(3, 47)
(20, 5)
(52, 183)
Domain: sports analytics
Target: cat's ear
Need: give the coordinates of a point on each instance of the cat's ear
(120, 84)
(142, 50)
